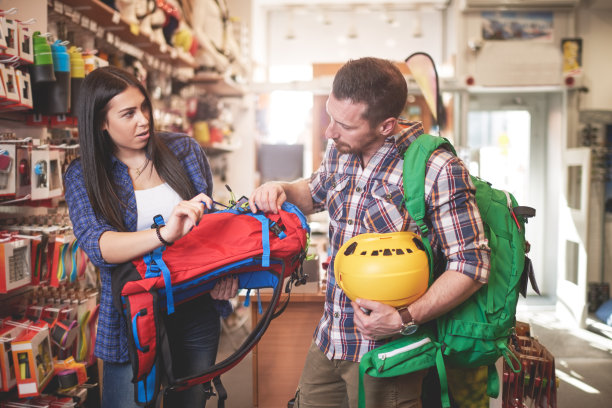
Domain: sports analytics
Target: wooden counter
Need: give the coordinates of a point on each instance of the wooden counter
(279, 356)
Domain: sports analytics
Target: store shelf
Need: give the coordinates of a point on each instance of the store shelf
(217, 84)
(216, 149)
(111, 21)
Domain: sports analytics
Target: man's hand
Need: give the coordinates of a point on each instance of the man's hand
(268, 197)
(381, 322)
(225, 288)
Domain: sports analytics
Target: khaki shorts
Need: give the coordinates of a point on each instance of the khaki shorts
(335, 383)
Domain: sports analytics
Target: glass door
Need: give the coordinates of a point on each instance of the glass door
(505, 144)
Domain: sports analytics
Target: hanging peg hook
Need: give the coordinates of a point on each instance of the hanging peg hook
(8, 12)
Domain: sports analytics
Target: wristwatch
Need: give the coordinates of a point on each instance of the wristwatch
(409, 326)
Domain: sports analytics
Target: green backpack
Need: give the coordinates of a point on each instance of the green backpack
(475, 333)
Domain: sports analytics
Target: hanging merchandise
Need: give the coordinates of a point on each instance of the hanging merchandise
(10, 86)
(24, 42)
(42, 69)
(32, 359)
(22, 186)
(3, 45)
(535, 384)
(9, 31)
(9, 330)
(173, 18)
(77, 74)
(53, 98)
(23, 91)
(15, 269)
(7, 170)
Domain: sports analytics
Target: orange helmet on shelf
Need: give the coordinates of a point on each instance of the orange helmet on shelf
(390, 268)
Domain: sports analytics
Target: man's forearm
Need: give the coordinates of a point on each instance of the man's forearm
(298, 193)
(447, 292)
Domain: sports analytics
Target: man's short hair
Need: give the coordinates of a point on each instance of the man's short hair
(376, 82)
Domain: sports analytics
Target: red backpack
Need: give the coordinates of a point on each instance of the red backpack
(260, 249)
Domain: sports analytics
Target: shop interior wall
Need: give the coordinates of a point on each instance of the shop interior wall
(511, 62)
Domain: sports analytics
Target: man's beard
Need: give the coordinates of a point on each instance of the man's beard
(343, 148)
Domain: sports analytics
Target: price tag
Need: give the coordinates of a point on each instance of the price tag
(116, 18)
(85, 22)
(58, 7)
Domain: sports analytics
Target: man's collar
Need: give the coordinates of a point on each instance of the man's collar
(408, 133)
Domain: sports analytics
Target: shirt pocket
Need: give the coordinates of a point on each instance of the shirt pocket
(385, 212)
(337, 196)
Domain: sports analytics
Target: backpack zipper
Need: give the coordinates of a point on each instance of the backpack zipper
(384, 356)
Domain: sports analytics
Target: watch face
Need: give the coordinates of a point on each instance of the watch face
(409, 329)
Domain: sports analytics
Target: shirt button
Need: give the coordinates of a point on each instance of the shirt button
(358, 189)
(388, 197)
(333, 185)
(350, 222)
(336, 315)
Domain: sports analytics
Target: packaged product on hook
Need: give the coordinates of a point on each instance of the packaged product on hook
(53, 98)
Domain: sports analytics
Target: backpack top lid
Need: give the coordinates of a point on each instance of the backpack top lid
(228, 236)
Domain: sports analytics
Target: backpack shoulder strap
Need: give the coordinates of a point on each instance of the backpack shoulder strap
(416, 157)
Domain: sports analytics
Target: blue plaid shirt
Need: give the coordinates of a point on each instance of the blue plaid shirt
(369, 200)
(111, 339)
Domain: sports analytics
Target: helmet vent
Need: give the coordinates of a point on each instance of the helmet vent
(418, 243)
(351, 249)
(387, 252)
(408, 250)
(399, 251)
(374, 253)
(364, 253)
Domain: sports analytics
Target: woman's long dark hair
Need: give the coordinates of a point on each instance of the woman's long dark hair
(97, 148)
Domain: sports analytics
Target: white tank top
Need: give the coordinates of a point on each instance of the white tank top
(157, 200)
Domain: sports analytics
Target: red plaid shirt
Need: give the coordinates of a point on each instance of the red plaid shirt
(365, 200)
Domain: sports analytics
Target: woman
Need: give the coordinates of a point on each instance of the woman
(126, 174)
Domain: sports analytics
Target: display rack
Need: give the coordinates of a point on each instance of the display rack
(218, 84)
(103, 20)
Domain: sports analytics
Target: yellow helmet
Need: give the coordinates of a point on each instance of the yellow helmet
(389, 268)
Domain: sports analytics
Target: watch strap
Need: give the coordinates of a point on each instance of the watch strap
(406, 316)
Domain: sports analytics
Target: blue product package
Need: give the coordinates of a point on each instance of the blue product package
(604, 313)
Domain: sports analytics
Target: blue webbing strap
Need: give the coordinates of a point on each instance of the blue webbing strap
(265, 239)
(156, 256)
(155, 263)
(135, 330)
(259, 307)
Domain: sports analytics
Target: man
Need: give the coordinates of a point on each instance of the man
(359, 183)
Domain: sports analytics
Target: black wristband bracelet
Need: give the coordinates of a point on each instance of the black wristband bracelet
(163, 241)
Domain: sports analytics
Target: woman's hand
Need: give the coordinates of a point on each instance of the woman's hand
(185, 216)
(225, 289)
